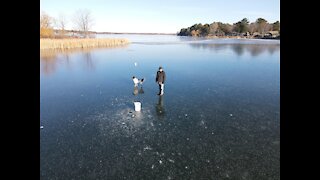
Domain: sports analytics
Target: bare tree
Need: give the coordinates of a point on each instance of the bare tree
(268, 27)
(62, 22)
(213, 28)
(252, 28)
(83, 21)
(228, 28)
(46, 22)
(262, 25)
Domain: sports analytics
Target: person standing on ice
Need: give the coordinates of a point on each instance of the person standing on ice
(160, 79)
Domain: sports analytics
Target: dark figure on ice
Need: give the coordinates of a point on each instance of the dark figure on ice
(160, 79)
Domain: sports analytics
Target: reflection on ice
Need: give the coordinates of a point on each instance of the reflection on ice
(123, 122)
(219, 119)
(239, 49)
(160, 107)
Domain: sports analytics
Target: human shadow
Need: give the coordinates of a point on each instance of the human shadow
(141, 91)
(160, 110)
(135, 90)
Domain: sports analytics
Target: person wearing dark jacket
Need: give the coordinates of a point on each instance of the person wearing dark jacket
(160, 79)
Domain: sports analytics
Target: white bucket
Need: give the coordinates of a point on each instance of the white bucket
(137, 106)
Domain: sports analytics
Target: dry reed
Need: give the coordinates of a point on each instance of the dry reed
(80, 43)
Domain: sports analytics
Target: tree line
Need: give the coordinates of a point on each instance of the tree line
(51, 27)
(258, 28)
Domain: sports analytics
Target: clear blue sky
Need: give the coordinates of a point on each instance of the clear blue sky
(162, 16)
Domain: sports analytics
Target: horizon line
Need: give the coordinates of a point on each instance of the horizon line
(105, 32)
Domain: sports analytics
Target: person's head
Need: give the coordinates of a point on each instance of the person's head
(133, 77)
(160, 69)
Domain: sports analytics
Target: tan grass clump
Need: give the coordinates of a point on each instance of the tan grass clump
(80, 43)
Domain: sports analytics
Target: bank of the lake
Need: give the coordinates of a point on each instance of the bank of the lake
(81, 43)
(240, 37)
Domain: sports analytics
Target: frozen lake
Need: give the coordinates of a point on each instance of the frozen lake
(219, 117)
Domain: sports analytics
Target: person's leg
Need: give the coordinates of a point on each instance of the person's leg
(159, 89)
(162, 89)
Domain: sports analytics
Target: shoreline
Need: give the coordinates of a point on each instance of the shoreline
(137, 33)
(235, 37)
(207, 37)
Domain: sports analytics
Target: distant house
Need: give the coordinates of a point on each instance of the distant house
(272, 34)
(234, 34)
(256, 35)
(246, 34)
